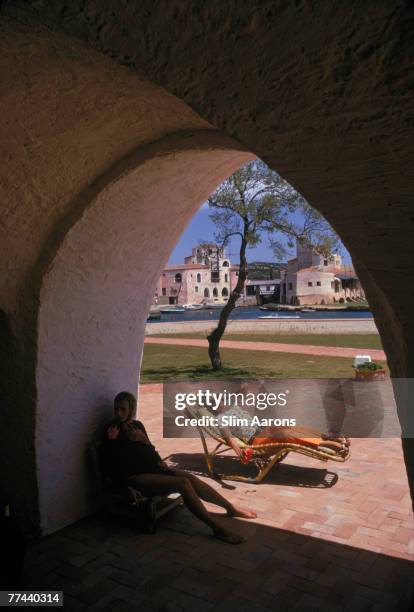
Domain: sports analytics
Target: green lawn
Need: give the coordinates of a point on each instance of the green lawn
(363, 341)
(169, 362)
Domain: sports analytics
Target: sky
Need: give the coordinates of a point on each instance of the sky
(201, 228)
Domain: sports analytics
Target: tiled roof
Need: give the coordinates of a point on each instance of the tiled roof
(341, 272)
(312, 269)
(188, 266)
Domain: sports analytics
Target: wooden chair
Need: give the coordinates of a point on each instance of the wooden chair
(129, 502)
(263, 456)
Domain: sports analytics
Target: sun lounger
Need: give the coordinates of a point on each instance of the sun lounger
(262, 456)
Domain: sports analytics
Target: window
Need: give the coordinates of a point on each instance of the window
(199, 278)
(268, 288)
(290, 286)
(164, 291)
(224, 292)
(226, 278)
(225, 264)
(215, 292)
(237, 274)
(178, 277)
(318, 283)
(325, 262)
(206, 292)
(196, 289)
(310, 284)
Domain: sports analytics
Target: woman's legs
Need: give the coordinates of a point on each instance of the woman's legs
(162, 484)
(300, 432)
(209, 494)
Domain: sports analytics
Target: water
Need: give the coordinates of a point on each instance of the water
(252, 312)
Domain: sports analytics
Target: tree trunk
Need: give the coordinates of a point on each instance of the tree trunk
(217, 333)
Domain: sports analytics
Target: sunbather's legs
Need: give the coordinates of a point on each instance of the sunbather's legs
(209, 494)
(162, 484)
(299, 431)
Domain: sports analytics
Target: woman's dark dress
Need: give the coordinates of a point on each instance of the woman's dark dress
(124, 457)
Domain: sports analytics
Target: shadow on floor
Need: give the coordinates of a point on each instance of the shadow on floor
(281, 474)
(111, 566)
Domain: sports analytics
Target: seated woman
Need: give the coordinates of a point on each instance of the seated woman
(133, 461)
(255, 434)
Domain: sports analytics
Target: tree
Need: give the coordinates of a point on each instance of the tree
(252, 203)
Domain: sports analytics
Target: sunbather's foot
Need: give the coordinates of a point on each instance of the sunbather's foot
(241, 513)
(227, 536)
(333, 438)
(332, 444)
(338, 444)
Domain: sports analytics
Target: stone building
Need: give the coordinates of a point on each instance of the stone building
(311, 278)
(115, 129)
(205, 276)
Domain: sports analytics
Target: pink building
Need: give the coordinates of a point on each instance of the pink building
(311, 278)
(206, 276)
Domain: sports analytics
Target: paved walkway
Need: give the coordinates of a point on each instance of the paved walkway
(330, 537)
(274, 347)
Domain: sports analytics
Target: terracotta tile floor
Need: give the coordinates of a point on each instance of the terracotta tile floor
(340, 538)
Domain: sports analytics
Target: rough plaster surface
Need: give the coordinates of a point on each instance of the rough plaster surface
(319, 90)
(71, 128)
(94, 301)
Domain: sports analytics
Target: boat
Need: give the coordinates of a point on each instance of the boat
(154, 316)
(193, 306)
(172, 309)
(280, 308)
(278, 316)
(307, 309)
(213, 305)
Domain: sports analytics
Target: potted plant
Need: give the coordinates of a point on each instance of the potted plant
(369, 371)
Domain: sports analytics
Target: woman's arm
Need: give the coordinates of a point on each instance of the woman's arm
(137, 432)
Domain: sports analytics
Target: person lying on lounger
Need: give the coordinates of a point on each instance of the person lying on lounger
(251, 434)
(134, 462)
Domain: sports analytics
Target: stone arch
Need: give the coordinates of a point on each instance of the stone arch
(73, 112)
(124, 133)
(94, 294)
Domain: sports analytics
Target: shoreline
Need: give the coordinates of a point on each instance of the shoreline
(315, 326)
